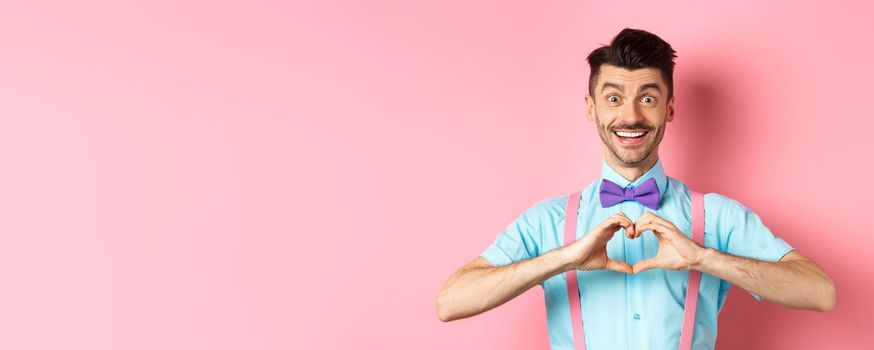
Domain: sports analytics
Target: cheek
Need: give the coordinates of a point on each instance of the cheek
(605, 115)
(657, 115)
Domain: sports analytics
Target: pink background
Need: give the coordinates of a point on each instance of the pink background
(265, 175)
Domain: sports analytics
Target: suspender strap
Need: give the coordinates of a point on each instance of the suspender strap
(573, 292)
(694, 276)
(570, 225)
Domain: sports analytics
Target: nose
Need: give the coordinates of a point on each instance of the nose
(631, 115)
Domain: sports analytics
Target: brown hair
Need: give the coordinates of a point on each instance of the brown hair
(634, 49)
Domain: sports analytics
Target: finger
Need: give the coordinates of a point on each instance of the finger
(645, 218)
(646, 226)
(646, 264)
(658, 219)
(614, 223)
(638, 230)
(628, 225)
(660, 230)
(670, 232)
(624, 222)
(619, 266)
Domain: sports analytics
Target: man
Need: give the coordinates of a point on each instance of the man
(633, 285)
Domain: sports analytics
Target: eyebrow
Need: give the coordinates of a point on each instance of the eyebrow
(650, 86)
(621, 87)
(612, 85)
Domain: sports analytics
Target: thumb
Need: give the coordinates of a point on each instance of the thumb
(619, 266)
(646, 264)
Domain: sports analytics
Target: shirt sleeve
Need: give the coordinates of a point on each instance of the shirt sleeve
(519, 241)
(744, 234)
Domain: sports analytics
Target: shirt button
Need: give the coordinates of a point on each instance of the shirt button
(636, 316)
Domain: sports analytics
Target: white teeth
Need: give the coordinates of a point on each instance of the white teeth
(630, 134)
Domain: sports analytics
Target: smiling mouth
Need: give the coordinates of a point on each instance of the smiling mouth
(630, 137)
(630, 134)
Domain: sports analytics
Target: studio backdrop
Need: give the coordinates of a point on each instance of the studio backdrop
(307, 175)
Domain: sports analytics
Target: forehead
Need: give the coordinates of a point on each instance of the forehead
(630, 79)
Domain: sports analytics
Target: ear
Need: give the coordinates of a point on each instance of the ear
(590, 108)
(670, 116)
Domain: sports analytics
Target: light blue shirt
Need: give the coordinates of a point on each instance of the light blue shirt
(635, 311)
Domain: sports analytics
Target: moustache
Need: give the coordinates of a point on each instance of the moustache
(632, 127)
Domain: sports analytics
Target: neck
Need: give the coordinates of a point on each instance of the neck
(630, 172)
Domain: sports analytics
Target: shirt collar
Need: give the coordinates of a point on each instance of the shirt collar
(657, 171)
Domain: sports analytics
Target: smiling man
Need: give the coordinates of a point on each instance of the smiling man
(632, 255)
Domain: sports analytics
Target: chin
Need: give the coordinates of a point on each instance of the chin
(633, 159)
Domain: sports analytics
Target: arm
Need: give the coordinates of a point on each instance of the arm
(479, 286)
(794, 281)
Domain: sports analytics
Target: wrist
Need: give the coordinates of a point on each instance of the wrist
(566, 258)
(704, 256)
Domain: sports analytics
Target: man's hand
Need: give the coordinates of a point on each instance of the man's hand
(590, 251)
(676, 250)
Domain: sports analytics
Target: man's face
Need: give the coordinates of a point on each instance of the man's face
(630, 108)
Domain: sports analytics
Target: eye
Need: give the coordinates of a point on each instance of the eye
(648, 99)
(613, 98)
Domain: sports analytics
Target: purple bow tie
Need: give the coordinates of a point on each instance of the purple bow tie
(647, 193)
